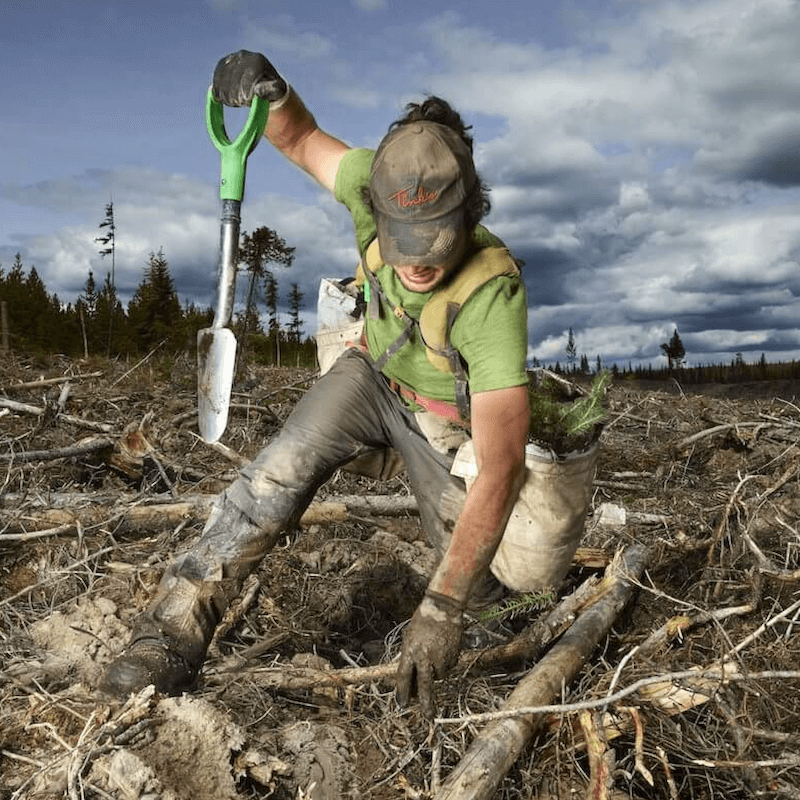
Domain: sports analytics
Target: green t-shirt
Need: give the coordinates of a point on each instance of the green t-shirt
(490, 331)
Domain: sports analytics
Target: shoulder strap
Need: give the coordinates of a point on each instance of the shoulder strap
(440, 311)
(371, 261)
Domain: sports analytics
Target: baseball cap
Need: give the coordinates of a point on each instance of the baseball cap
(421, 175)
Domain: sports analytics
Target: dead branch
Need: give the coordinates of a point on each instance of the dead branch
(60, 530)
(236, 611)
(136, 365)
(191, 414)
(675, 627)
(105, 732)
(229, 453)
(496, 748)
(297, 386)
(700, 679)
(82, 448)
(24, 408)
(788, 474)
(792, 761)
(623, 487)
(695, 437)
(50, 381)
(601, 757)
(748, 640)
(767, 566)
(723, 522)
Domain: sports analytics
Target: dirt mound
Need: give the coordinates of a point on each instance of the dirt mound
(693, 691)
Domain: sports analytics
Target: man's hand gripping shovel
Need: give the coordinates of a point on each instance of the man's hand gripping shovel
(216, 346)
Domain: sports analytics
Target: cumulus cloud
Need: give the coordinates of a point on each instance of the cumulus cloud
(182, 220)
(624, 166)
(646, 169)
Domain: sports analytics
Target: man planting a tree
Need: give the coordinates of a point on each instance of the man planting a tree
(442, 359)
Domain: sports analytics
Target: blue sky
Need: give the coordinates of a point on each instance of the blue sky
(644, 158)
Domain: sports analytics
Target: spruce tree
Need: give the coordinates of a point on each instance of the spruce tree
(155, 312)
(674, 351)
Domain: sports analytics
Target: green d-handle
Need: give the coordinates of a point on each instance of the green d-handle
(234, 154)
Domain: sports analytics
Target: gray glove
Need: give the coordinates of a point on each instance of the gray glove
(240, 76)
(431, 644)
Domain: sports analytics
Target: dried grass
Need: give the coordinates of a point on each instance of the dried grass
(728, 539)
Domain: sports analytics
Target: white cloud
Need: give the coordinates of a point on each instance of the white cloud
(282, 35)
(649, 172)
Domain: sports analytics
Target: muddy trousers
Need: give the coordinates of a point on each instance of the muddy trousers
(348, 412)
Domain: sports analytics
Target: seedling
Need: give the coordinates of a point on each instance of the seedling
(519, 604)
(561, 422)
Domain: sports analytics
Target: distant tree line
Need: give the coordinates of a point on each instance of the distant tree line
(96, 323)
(737, 371)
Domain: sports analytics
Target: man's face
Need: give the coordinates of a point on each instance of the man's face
(419, 278)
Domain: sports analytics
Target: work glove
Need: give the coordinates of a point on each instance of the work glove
(431, 644)
(241, 76)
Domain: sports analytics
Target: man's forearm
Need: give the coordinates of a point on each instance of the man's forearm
(292, 129)
(477, 533)
(289, 123)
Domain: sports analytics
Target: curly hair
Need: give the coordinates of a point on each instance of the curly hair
(435, 109)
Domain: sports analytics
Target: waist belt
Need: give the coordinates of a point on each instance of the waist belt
(439, 407)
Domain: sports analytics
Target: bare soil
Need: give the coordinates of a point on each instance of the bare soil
(708, 480)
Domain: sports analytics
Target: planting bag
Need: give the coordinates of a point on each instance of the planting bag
(337, 322)
(547, 521)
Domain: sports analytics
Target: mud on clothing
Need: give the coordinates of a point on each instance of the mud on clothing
(351, 411)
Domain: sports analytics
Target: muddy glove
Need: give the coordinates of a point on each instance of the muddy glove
(431, 643)
(240, 76)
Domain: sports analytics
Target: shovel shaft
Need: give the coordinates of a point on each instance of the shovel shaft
(228, 258)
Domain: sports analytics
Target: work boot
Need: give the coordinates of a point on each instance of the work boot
(487, 593)
(169, 640)
(479, 634)
(146, 661)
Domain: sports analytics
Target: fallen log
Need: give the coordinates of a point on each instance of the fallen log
(490, 756)
(49, 381)
(379, 505)
(61, 513)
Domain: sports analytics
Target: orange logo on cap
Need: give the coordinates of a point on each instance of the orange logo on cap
(404, 200)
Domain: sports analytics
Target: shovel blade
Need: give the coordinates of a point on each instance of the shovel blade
(216, 354)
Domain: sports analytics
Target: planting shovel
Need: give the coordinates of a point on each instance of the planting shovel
(216, 346)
